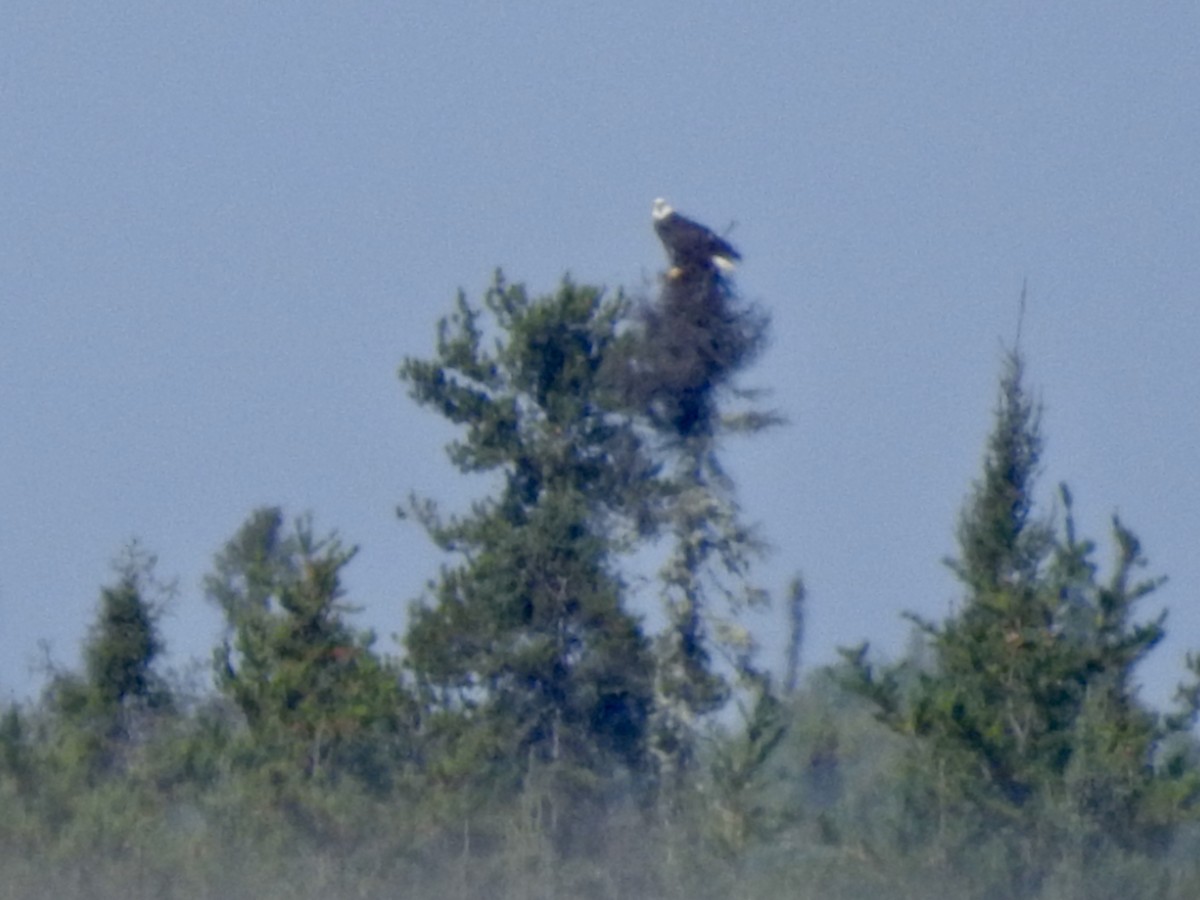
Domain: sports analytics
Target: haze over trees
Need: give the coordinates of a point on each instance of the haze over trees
(558, 724)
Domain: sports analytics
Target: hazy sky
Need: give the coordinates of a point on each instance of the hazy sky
(223, 225)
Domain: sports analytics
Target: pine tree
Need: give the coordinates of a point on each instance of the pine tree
(316, 700)
(536, 675)
(530, 663)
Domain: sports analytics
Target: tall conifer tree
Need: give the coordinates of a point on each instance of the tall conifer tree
(1028, 712)
(527, 654)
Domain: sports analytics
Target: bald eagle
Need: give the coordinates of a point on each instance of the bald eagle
(689, 244)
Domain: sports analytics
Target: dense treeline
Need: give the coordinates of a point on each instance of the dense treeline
(560, 725)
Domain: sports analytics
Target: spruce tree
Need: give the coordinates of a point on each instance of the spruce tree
(124, 643)
(104, 712)
(1026, 719)
(677, 370)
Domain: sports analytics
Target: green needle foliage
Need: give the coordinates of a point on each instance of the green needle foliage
(580, 711)
(527, 658)
(1026, 719)
(103, 713)
(316, 701)
(537, 679)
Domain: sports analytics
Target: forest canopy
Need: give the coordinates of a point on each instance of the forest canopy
(554, 725)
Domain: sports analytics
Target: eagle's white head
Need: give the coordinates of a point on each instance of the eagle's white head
(661, 209)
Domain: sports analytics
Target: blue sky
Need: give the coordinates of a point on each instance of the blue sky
(225, 224)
